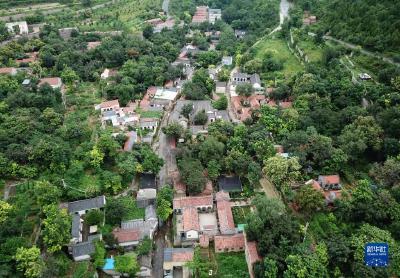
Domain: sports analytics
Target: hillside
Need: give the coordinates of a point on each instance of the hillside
(372, 24)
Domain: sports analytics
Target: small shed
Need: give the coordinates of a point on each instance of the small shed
(147, 180)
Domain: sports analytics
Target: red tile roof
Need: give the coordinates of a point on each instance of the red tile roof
(235, 241)
(252, 253)
(7, 70)
(196, 201)
(126, 235)
(183, 256)
(332, 179)
(285, 104)
(225, 216)
(52, 81)
(32, 57)
(190, 219)
(109, 103)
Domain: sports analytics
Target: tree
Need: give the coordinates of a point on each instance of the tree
(244, 89)
(145, 247)
(308, 265)
(281, 171)
(309, 200)
(199, 265)
(237, 162)
(29, 261)
(5, 209)
(254, 173)
(200, 118)
(271, 269)
(213, 169)
(192, 175)
(127, 264)
(221, 103)
(86, 3)
(56, 228)
(223, 75)
(210, 149)
(99, 254)
(364, 133)
(45, 193)
(69, 76)
(187, 109)
(148, 31)
(150, 161)
(388, 174)
(164, 202)
(96, 157)
(174, 130)
(94, 217)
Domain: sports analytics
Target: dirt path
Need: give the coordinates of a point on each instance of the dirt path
(269, 189)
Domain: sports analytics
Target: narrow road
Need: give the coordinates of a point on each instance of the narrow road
(165, 7)
(158, 255)
(283, 14)
(363, 51)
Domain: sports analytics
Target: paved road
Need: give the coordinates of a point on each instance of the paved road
(363, 51)
(165, 7)
(283, 14)
(158, 256)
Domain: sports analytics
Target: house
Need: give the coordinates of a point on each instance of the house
(309, 19)
(188, 50)
(229, 243)
(227, 61)
(220, 87)
(241, 78)
(147, 180)
(120, 117)
(132, 139)
(133, 231)
(214, 15)
(26, 82)
(329, 186)
(83, 250)
(108, 73)
(239, 34)
(167, 24)
(30, 58)
(229, 184)
(201, 15)
(146, 197)
(225, 216)
(176, 259)
(9, 71)
(244, 106)
(53, 82)
(252, 255)
(93, 45)
(331, 182)
(67, 33)
(82, 238)
(126, 237)
(201, 203)
(18, 28)
(83, 206)
(149, 124)
(165, 96)
(190, 224)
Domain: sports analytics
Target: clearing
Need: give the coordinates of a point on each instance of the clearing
(232, 265)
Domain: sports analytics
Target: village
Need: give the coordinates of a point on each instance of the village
(194, 149)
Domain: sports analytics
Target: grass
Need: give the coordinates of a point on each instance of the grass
(313, 51)
(151, 114)
(279, 50)
(133, 211)
(232, 265)
(239, 214)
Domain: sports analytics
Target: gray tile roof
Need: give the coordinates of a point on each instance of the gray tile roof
(146, 228)
(85, 248)
(75, 229)
(93, 203)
